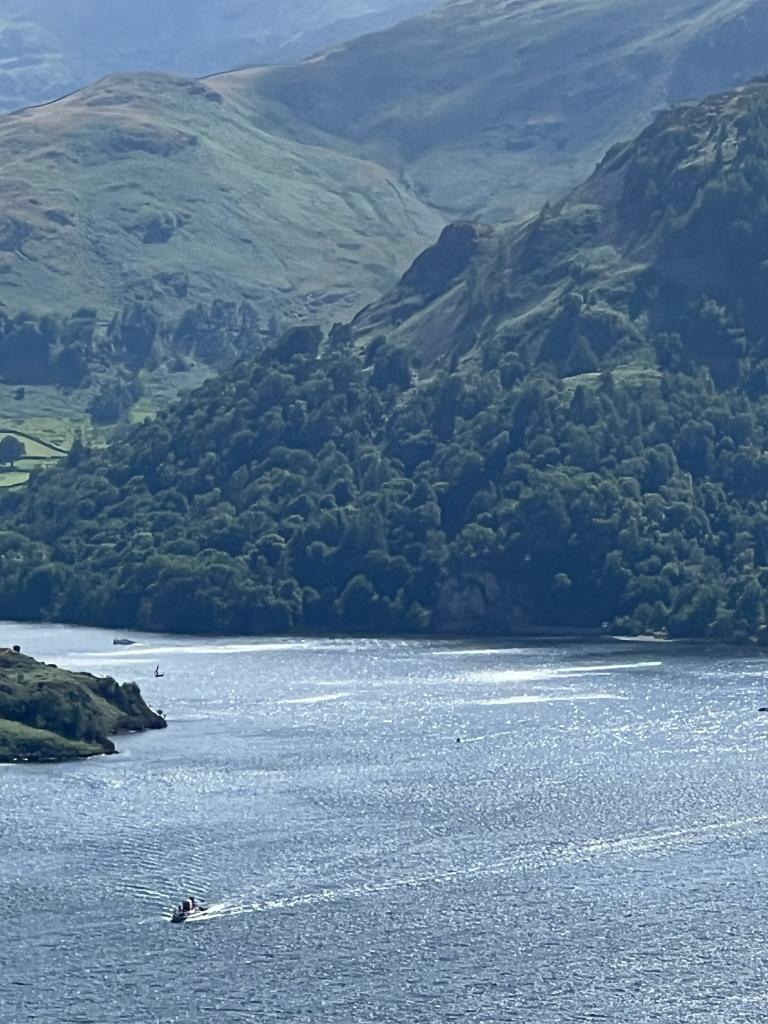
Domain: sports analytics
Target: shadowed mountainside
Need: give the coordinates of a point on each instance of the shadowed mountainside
(666, 222)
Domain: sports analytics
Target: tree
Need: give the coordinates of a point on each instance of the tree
(11, 450)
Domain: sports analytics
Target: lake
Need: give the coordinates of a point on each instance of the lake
(593, 849)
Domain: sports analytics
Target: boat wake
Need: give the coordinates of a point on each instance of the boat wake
(523, 861)
(321, 698)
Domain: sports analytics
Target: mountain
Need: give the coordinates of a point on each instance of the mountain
(488, 108)
(671, 226)
(574, 436)
(308, 189)
(152, 187)
(49, 48)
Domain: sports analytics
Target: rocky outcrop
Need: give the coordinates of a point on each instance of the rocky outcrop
(438, 267)
(51, 714)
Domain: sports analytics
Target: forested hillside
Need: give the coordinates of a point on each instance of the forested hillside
(108, 362)
(588, 449)
(307, 493)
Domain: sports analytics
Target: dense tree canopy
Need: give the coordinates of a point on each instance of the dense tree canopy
(82, 351)
(316, 489)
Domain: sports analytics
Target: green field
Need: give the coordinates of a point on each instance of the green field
(47, 413)
(48, 419)
(39, 452)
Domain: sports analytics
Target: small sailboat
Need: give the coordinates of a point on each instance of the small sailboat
(158, 673)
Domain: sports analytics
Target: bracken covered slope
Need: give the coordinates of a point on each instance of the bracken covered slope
(162, 188)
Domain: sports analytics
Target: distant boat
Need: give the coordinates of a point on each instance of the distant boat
(186, 909)
(121, 641)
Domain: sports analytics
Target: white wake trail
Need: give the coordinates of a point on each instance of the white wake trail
(524, 860)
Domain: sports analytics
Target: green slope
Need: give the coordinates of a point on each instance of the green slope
(308, 188)
(491, 107)
(584, 444)
(160, 188)
(51, 714)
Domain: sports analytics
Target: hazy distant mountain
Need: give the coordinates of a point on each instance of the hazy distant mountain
(51, 47)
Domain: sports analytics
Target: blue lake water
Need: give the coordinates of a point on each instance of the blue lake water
(594, 849)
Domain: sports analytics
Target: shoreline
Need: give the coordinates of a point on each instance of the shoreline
(531, 636)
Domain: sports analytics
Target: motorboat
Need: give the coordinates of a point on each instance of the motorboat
(122, 641)
(187, 910)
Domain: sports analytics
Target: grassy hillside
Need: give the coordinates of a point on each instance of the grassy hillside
(51, 47)
(301, 193)
(50, 714)
(491, 107)
(584, 443)
(162, 188)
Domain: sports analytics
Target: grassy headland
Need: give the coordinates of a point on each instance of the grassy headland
(51, 714)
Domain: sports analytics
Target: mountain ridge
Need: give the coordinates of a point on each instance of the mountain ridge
(631, 214)
(54, 47)
(498, 89)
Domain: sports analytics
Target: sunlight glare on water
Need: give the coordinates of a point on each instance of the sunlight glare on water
(396, 831)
